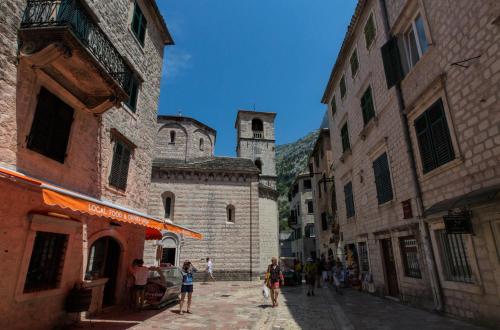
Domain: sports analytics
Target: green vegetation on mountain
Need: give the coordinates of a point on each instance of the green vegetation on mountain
(291, 159)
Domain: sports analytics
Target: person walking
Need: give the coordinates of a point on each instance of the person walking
(326, 270)
(298, 272)
(140, 275)
(311, 271)
(209, 271)
(337, 276)
(320, 267)
(274, 277)
(187, 285)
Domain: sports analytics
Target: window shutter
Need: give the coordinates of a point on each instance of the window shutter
(382, 179)
(392, 62)
(345, 138)
(443, 148)
(367, 106)
(119, 166)
(349, 200)
(424, 143)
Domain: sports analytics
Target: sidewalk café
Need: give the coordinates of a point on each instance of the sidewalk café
(57, 243)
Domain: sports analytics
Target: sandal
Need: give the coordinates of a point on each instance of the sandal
(181, 313)
(189, 312)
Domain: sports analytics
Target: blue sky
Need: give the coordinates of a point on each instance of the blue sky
(275, 55)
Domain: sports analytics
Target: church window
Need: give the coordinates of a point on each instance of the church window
(257, 129)
(230, 213)
(201, 144)
(172, 137)
(168, 204)
(258, 163)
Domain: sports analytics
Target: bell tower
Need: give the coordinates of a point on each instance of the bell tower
(256, 141)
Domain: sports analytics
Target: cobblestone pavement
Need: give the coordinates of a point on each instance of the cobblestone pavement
(240, 305)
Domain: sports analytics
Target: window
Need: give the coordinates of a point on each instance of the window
(410, 256)
(169, 203)
(309, 230)
(139, 24)
(310, 207)
(367, 105)
(391, 58)
(415, 41)
(334, 200)
(382, 179)
(370, 31)
(119, 166)
(230, 213)
(258, 163)
(342, 86)
(46, 263)
(344, 133)
(51, 126)
(172, 137)
(201, 144)
(433, 137)
(319, 189)
(349, 200)
(454, 257)
(407, 211)
(307, 184)
(364, 264)
(298, 233)
(354, 63)
(257, 128)
(333, 105)
(324, 221)
(133, 93)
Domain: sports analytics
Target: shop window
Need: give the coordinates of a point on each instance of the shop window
(333, 105)
(433, 137)
(310, 207)
(364, 264)
(139, 24)
(382, 179)
(354, 63)
(370, 31)
(309, 230)
(344, 134)
(46, 263)
(454, 257)
(367, 107)
(168, 204)
(409, 254)
(172, 137)
(415, 41)
(324, 221)
(133, 93)
(51, 126)
(349, 200)
(119, 166)
(307, 184)
(343, 87)
(230, 213)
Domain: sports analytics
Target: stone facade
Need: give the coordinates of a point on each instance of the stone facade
(221, 197)
(302, 211)
(87, 162)
(441, 74)
(325, 221)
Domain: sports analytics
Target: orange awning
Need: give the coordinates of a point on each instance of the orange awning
(56, 196)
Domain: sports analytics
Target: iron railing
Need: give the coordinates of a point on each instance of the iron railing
(73, 15)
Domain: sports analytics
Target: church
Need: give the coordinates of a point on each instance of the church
(231, 201)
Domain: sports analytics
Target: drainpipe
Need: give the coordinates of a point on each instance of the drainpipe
(251, 236)
(423, 226)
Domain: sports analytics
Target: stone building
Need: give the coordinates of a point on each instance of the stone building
(301, 218)
(79, 91)
(231, 201)
(414, 96)
(325, 215)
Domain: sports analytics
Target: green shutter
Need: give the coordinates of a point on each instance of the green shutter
(392, 62)
(119, 166)
(345, 138)
(349, 200)
(382, 179)
(139, 24)
(367, 107)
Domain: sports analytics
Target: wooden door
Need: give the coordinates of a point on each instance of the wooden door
(391, 276)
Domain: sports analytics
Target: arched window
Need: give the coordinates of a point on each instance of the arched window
(201, 144)
(172, 137)
(258, 163)
(257, 128)
(168, 204)
(230, 213)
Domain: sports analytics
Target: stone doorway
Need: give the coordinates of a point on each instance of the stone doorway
(390, 268)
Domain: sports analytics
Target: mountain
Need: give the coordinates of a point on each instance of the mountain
(291, 159)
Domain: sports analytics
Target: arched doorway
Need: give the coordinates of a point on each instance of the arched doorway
(104, 258)
(169, 251)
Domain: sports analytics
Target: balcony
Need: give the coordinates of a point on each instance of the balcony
(61, 40)
(258, 134)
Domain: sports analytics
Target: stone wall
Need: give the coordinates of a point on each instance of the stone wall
(268, 231)
(299, 202)
(200, 204)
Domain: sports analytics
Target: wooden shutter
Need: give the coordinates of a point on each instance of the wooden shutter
(424, 143)
(349, 200)
(367, 106)
(139, 24)
(51, 126)
(392, 62)
(345, 138)
(441, 139)
(119, 166)
(382, 179)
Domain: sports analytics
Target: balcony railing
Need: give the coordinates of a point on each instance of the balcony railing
(73, 15)
(258, 134)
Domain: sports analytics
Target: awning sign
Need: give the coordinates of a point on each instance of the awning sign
(458, 223)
